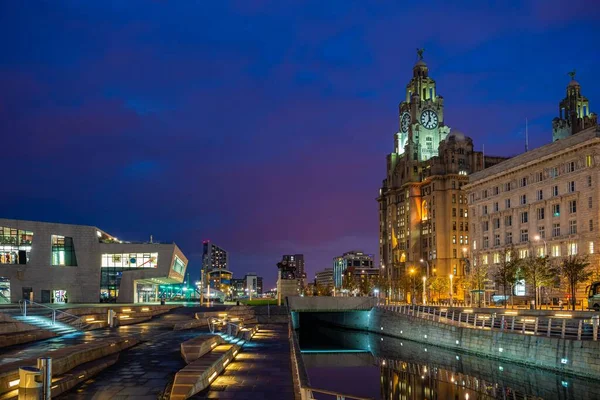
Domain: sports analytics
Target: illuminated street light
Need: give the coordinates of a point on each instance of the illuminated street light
(451, 291)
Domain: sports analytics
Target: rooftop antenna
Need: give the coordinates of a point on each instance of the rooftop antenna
(526, 137)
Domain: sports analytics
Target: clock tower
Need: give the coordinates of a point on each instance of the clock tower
(421, 116)
(574, 113)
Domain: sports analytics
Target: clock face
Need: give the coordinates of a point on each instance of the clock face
(429, 119)
(404, 122)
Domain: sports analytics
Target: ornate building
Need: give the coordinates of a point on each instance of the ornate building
(544, 201)
(423, 217)
(574, 113)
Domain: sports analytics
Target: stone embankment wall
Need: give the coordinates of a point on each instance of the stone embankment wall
(577, 357)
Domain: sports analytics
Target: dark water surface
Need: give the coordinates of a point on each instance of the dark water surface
(380, 367)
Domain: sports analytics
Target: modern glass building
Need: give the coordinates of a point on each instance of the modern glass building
(50, 262)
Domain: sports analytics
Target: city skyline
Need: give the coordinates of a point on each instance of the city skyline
(263, 127)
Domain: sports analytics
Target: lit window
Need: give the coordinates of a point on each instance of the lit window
(63, 251)
(555, 250)
(572, 249)
(591, 247)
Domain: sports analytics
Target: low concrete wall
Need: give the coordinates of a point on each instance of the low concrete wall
(328, 303)
(568, 356)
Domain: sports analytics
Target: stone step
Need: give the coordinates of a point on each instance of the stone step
(193, 349)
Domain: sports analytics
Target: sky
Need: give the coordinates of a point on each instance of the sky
(262, 126)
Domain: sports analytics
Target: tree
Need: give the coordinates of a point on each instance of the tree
(505, 274)
(478, 277)
(325, 290)
(537, 271)
(439, 285)
(349, 283)
(574, 269)
(365, 286)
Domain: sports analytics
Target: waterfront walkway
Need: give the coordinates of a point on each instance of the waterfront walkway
(262, 370)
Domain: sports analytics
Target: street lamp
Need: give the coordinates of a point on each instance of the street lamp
(425, 291)
(451, 291)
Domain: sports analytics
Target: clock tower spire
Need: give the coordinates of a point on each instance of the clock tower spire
(421, 115)
(574, 113)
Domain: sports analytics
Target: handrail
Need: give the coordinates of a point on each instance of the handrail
(77, 323)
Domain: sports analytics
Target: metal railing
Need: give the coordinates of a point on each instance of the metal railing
(301, 379)
(70, 319)
(562, 326)
(213, 322)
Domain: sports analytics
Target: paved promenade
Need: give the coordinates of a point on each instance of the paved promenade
(261, 371)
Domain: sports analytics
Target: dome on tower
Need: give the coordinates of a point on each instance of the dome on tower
(420, 63)
(457, 135)
(574, 83)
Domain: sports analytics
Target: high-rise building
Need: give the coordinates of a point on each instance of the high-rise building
(297, 261)
(214, 257)
(544, 201)
(349, 259)
(423, 211)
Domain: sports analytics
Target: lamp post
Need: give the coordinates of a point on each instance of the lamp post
(425, 278)
(451, 291)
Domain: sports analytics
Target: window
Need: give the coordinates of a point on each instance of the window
(454, 212)
(485, 194)
(556, 210)
(178, 266)
(508, 238)
(453, 225)
(507, 203)
(539, 176)
(554, 190)
(486, 242)
(589, 180)
(485, 210)
(524, 217)
(496, 258)
(484, 259)
(453, 253)
(540, 213)
(523, 253)
(555, 250)
(589, 202)
(453, 199)
(523, 181)
(485, 226)
(496, 207)
(591, 247)
(542, 232)
(523, 199)
(507, 187)
(572, 249)
(496, 190)
(130, 260)
(572, 227)
(453, 239)
(554, 172)
(496, 223)
(63, 251)
(572, 206)
(15, 245)
(466, 215)
(540, 195)
(555, 230)
(508, 220)
(571, 166)
(588, 161)
(497, 239)
(524, 235)
(591, 225)
(571, 187)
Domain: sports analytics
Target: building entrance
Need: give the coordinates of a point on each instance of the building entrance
(147, 293)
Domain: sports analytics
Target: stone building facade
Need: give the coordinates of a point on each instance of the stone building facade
(544, 201)
(423, 211)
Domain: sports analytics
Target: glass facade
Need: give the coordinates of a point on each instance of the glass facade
(178, 266)
(15, 245)
(130, 260)
(63, 251)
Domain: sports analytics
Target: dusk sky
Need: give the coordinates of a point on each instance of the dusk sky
(262, 126)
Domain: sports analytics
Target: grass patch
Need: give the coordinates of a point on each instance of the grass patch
(259, 302)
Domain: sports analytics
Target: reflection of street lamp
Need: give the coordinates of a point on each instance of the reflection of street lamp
(412, 295)
(425, 289)
(451, 291)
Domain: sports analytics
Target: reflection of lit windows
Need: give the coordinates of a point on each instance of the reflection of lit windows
(591, 248)
(63, 251)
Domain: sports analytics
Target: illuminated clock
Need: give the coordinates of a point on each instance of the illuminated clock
(404, 122)
(429, 119)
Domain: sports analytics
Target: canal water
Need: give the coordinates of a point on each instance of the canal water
(380, 367)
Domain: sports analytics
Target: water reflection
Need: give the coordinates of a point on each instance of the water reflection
(390, 368)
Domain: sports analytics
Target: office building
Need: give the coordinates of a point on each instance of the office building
(544, 201)
(349, 259)
(423, 211)
(213, 257)
(51, 262)
(296, 261)
(324, 278)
